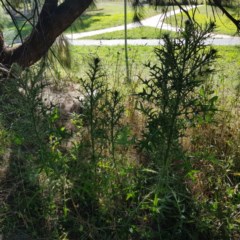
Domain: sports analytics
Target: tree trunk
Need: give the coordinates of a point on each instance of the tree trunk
(53, 20)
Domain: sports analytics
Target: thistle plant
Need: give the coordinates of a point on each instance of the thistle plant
(168, 97)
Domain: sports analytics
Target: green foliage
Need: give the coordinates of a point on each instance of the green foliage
(169, 99)
(214, 173)
(170, 92)
(95, 171)
(29, 202)
(114, 112)
(93, 182)
(60, 53)
(98, 103)
(216, 218)
(94, 91)
(4, 18)
(24, 108)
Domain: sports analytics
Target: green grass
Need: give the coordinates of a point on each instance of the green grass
(112, 59)
(226, 66)
(206, 14)
(107, 14)
(135, 33)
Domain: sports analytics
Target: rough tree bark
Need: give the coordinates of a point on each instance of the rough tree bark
(53, 19)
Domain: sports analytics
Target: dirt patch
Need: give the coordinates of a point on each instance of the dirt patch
(66, 99)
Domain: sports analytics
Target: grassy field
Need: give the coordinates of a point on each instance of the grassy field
(136, 33)
(226, 66)
(107, 14)
(206, 14)
(110, 14)
(203, 15)
(112, 60)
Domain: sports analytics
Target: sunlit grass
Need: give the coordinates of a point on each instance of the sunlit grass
(205, 14)
(135, 33)
(112, 59)
(226, 67)
(107, 14)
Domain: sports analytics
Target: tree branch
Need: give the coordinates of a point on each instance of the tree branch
(1, 42)
(53, 20)
(234, 20)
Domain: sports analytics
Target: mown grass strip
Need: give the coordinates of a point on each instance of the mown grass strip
(203, 15)
(135, 33)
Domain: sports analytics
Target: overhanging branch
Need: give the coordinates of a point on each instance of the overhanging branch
(53, 20)
(235, 21)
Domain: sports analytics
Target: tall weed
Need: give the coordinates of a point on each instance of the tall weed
(171, 99)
